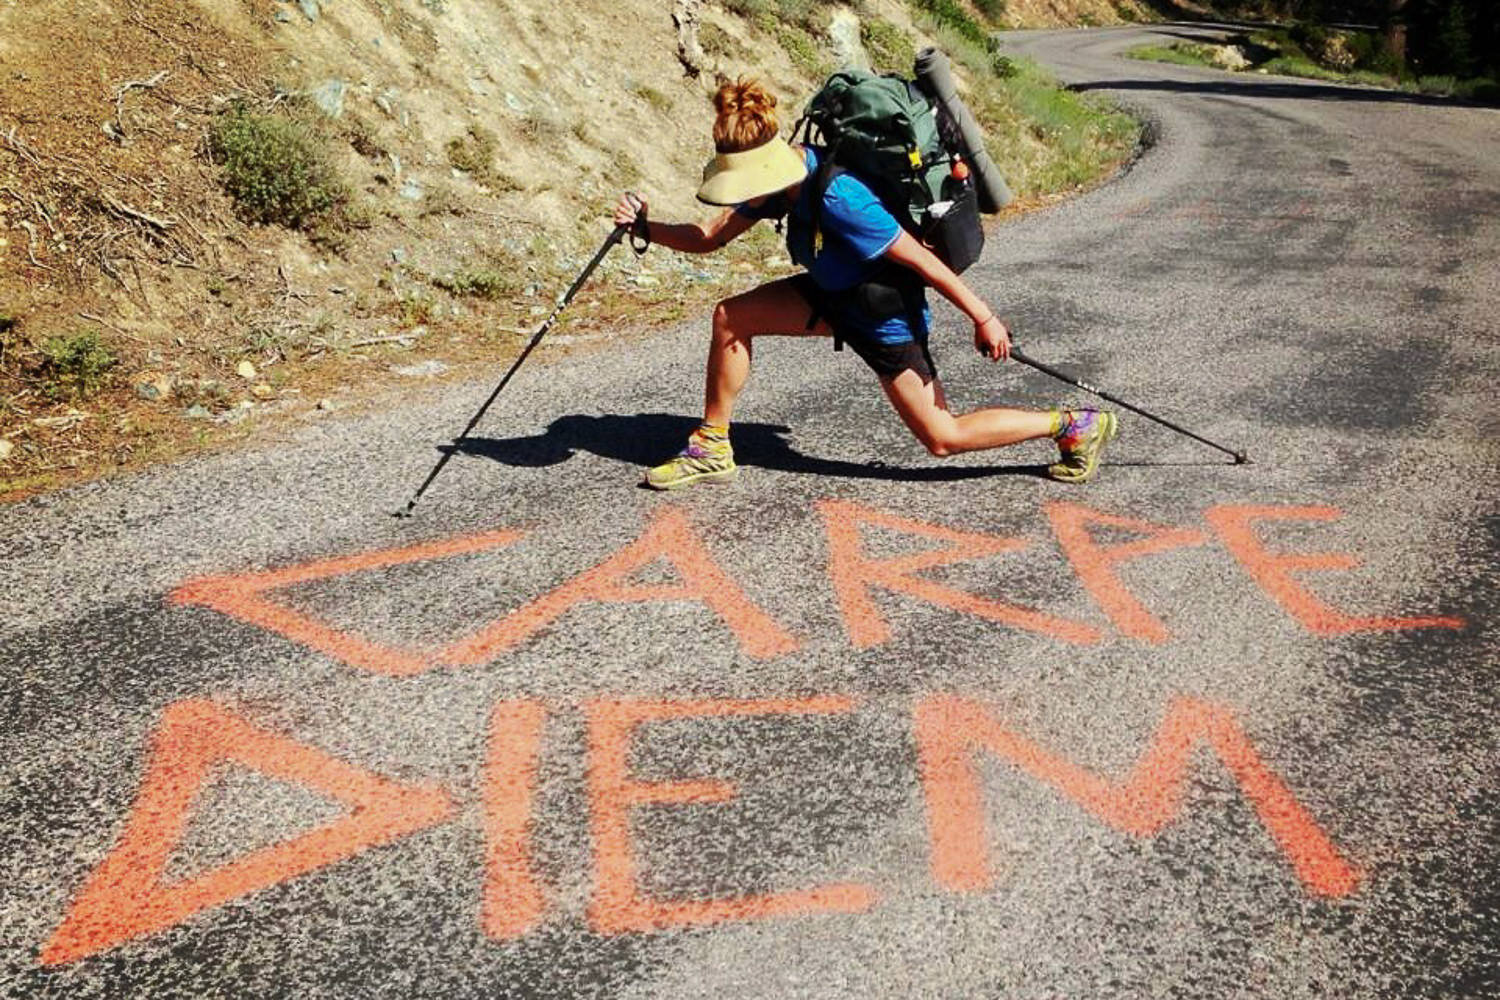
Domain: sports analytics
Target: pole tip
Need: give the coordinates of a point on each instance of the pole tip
(1240, 458)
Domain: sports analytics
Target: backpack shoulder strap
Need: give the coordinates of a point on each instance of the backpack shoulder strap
(825, 175)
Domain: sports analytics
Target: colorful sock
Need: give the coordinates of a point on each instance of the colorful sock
(712, 432)
(1062, 422)
(712, 438)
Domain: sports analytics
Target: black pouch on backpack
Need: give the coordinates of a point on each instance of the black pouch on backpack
(956, 235)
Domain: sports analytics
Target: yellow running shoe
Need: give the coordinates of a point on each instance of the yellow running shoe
(702, 461)
(1081, 442)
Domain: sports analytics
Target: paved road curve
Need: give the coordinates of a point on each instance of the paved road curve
(863, 723)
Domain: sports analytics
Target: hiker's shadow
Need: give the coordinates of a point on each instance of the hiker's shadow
(649, 438)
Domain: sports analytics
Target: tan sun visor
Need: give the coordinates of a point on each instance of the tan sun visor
(733, 178)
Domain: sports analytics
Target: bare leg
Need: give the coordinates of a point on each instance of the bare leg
(924, 410)
(776, 308)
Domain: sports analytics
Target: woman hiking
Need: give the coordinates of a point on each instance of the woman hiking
(758, 175)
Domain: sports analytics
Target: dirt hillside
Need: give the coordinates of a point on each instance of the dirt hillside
(476, 146)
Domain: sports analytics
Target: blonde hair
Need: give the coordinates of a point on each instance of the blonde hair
(746, 116)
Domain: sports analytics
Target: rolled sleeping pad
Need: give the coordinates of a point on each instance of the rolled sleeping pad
(935, 77)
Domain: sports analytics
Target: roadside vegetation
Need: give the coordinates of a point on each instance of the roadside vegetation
(278, 169)
(1336, 55)
(246, 242)
(75, 367)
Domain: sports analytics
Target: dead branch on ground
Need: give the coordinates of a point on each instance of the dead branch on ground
(120, 208)
(127, 87)
(20, 148)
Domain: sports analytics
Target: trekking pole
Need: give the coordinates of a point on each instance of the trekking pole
(1240, 458)
(536, 338)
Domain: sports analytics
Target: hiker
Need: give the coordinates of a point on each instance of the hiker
(758, 175)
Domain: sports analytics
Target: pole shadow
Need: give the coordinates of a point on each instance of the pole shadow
(647, 439)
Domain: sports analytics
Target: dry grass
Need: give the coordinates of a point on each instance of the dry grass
(135, 238)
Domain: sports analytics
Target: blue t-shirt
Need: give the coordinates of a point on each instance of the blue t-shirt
(857, 231)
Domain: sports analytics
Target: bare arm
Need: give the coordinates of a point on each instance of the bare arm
(991, 336)
(687, 237)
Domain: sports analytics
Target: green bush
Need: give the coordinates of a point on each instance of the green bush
(1299, 66)
(1372, 54)
(891, 49)
(994, 10)
(1310, 39)
(1276, 41)
(474, 151)
(809, 15)
(952, 15)
(1440, 85)
(658, 101)
(76, 366)
(484, 283)
(803, 48)
(275, 168)
(751, 10)
(721, 44)
(1180, 53)
(1049, 138)
(416, 308)
(1485, 90)
(1455, 42)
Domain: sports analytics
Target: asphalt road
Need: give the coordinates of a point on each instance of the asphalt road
(865, 722)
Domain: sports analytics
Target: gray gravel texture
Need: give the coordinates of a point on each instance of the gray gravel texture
(1308, 272)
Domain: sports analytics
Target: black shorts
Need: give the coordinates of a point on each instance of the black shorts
(890, 360)
(885, 360)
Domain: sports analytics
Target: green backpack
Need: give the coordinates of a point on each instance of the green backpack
(886, 131)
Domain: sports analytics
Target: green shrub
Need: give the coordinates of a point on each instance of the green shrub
(442, 200)
(751, 10)
(1299, 66)
(993, 10)
(1371, 53)
(810, 16)
(952, 15)
(1438, 85)
(483, 283)
(275, 168)
(655, 98)
(891, 49)
(76, 366)
(1371, 79)
(1455, 42)
(1484, 90)
(1179, 53)
(416, 308)
(474, 151)
(1311, 39)
(721, 44)
(1049, 138)
(1277, 41)
(803, 49)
